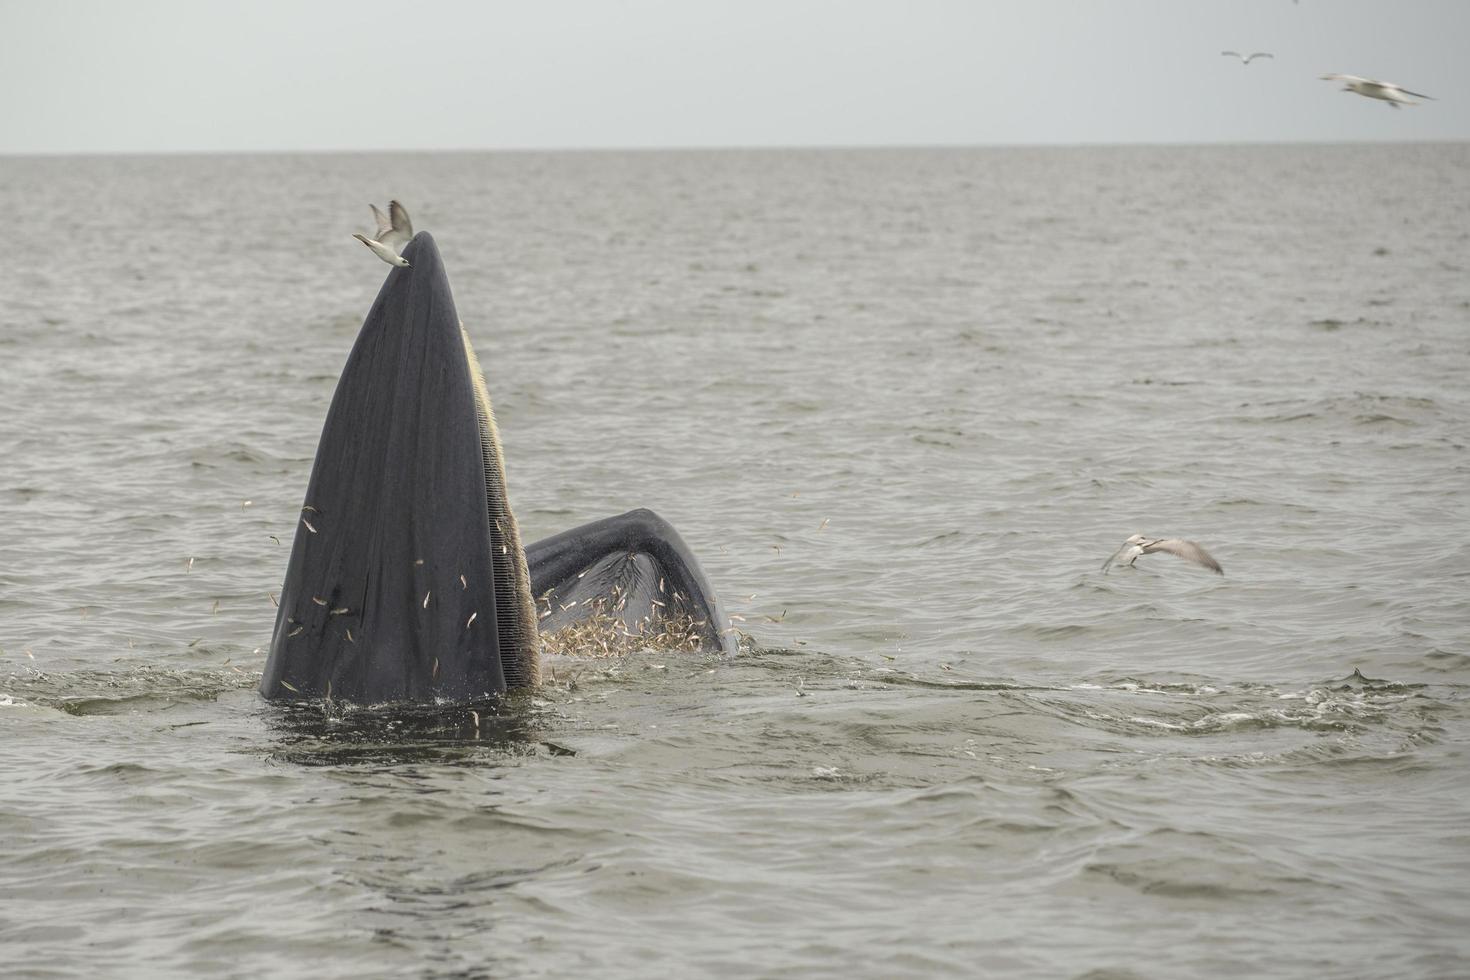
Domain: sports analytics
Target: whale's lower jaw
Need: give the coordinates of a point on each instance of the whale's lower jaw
(407, 580)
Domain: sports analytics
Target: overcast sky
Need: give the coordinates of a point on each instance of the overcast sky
(85, 76)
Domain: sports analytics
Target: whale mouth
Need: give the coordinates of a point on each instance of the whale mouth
(516, 618)
(407, 579)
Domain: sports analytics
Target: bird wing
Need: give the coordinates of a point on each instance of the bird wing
(1114, 556)
(401, 231)
(1233, 54)
(1187, 550)
(1258, 54)
(1347, 78)
(1420, 95)
(378, 248)
(384, 225)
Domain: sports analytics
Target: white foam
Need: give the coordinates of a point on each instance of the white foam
(1156, 723)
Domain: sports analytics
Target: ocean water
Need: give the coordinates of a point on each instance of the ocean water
(902, 403)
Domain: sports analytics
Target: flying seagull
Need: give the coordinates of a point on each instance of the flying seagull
(1138, 546)
(1387, 91)
(1246, 59)
(393, 233)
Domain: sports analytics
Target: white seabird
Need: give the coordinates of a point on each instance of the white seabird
(1246, 59)
(1138, 546)
(1387, 91)
(394, 232)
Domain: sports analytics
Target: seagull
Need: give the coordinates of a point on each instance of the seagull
(393, 234)
(1246, 59)
(1387, 91)
(1138, 546)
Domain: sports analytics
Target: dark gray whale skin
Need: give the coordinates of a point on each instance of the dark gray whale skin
(400, 586)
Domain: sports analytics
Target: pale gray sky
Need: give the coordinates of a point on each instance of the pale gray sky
(81, 76)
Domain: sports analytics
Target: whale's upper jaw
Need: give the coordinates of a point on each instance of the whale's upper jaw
(391, 593)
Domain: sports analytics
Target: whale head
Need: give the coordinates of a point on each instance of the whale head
(407, 580)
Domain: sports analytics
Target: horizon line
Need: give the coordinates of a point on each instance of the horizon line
(722, 148)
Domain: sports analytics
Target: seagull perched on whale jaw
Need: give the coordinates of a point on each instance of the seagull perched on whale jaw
(394, 232)
(1138, 546)
(1246, 59)
(1387, 91)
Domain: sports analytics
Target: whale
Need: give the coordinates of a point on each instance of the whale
(407, 580)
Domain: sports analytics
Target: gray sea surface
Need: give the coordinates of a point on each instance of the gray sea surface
(902, 404)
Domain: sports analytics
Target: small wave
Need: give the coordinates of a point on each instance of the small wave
(1059, 632)
(1331, 324)
(1361, 408)
(1226, 720)
(1157, 723)
(145, 689)
(1149, 687)
(887, 676)
(1210, 724)
(1447, 661)
(1349, 705)
(936, 539)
